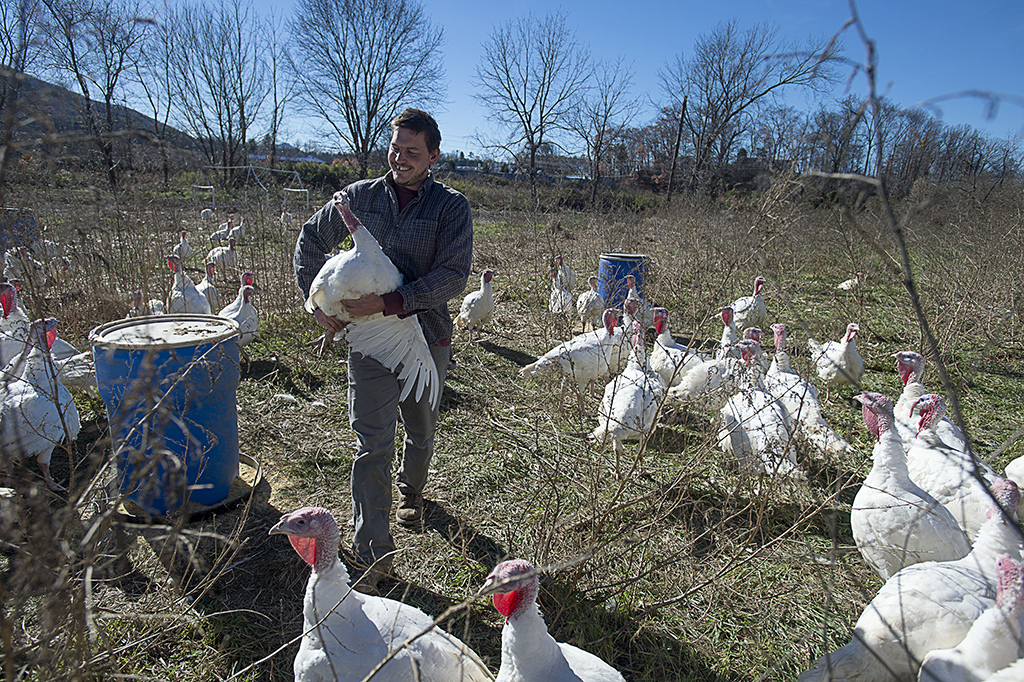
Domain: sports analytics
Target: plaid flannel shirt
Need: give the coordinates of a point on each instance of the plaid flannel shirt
(430, 242)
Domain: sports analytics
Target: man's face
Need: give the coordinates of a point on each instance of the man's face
(409, 159)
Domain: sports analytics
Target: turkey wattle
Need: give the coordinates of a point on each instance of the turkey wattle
(528, 651)
(390, 340)
(347, 634)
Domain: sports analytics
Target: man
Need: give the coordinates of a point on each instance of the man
(426, 229)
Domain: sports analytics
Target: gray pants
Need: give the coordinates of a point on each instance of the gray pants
(373, 412)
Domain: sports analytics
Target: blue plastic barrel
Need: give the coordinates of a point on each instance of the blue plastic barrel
(169, 383)
(611, 276)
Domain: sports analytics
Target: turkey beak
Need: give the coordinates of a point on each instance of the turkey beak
(278, 528)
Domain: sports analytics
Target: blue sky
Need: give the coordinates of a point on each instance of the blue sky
(925, 49)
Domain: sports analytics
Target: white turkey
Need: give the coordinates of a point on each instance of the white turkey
(478, 306)
(584, 359)
(1011, 673)
(183, 296)
(566, 277)
(993, 641)
(750, 311)
(670, 359)
(800, 399)
(222, 230)
(224, 257)
(238, 231)
(286, 217)
(346, 634)
(19, 264)
(926, 606)
(74, 369)
(14, 325)
(207, 288)
(709, 384)
(242, 311)
(182, 249)
(754, 334)
(730, 335)
(838, 362)
(895, 523)
(852, 283)
(946, 472)
(560, 300)
(391, 340)
(590, 305)
(206, 214)
(629, 407)
(141, 307)
(38, 412)
(755, 428)
(528, 651)
(645, 312)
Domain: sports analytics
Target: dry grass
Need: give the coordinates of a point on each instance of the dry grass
(684, 571)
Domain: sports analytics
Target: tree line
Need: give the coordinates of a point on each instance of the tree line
(228, 76)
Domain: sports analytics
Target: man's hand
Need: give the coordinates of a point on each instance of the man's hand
(364, 305)
(333, 325)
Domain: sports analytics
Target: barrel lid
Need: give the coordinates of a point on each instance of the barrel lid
(624, 256)
(163, 331)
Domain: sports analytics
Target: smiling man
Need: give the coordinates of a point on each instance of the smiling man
(426, 229)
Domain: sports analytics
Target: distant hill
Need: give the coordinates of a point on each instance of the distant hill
(52, 121)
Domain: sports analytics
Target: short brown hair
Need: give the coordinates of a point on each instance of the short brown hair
(419, 121)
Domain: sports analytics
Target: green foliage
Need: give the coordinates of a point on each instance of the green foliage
(328, 177)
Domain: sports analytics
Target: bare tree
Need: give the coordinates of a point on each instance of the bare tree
(282, 88)
(95, 43)
(154, 81)
(220, 76)
(19, 47)
(358, 62)
(531, 78)
(730, 74)
(604, 113)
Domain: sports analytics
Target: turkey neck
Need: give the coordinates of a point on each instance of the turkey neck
(527, 644)
(996, 537)
(888, 457)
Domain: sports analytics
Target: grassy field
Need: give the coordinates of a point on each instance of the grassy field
(685, 570)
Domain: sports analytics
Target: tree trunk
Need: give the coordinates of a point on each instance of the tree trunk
(675, 154)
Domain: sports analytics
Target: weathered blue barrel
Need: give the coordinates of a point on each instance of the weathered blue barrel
(611, 276)
(170, 383)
